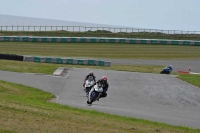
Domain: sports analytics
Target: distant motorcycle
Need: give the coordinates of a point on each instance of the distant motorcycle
(166, 70)
(88, 85)
(95, 93)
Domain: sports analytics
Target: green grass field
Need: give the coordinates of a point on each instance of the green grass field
(24, 109)
(102, 50)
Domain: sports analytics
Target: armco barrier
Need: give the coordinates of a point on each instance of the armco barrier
(95, 40)
(74, 61)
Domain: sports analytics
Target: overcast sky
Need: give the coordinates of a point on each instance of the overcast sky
(151, 14)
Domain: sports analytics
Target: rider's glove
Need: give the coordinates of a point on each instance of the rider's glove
(83, 84)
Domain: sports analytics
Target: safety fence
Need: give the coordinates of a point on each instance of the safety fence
(104, 30)
(95, 40)
(72, 61)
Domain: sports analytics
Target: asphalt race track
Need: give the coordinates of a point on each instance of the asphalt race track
(155, 97)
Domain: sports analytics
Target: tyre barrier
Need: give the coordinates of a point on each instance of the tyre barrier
(96, 40)
(72, 61)
(11, 57)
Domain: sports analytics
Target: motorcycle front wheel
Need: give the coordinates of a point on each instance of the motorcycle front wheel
(94, 96)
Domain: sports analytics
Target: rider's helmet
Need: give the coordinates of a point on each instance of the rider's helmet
(170, 66)
(104, 79)
(91, 73)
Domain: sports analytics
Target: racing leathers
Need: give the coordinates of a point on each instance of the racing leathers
(105, 87)
(91, 77)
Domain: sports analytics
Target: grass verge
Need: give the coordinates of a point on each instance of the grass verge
(102, 50)
(25, 110)
(45, 68)
(192, 79)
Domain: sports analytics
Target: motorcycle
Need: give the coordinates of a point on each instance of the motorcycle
(95, 93)
(88, 86)
(166, 71)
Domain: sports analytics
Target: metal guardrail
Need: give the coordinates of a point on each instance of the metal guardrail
(105, 30)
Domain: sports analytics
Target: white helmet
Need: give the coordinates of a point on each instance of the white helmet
(170, 66)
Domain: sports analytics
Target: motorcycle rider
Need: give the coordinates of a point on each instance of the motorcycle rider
(105, 84)
(168, 68)
(89, 76)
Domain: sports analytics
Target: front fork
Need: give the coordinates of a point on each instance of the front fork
(92, 89)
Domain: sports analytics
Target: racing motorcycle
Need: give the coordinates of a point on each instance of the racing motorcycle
(88, 85)
(166, 71)
(95, 93)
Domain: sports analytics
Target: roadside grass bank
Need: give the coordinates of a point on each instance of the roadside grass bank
(191, 78)
(25, 110)
(103, 33)
(102, 50)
